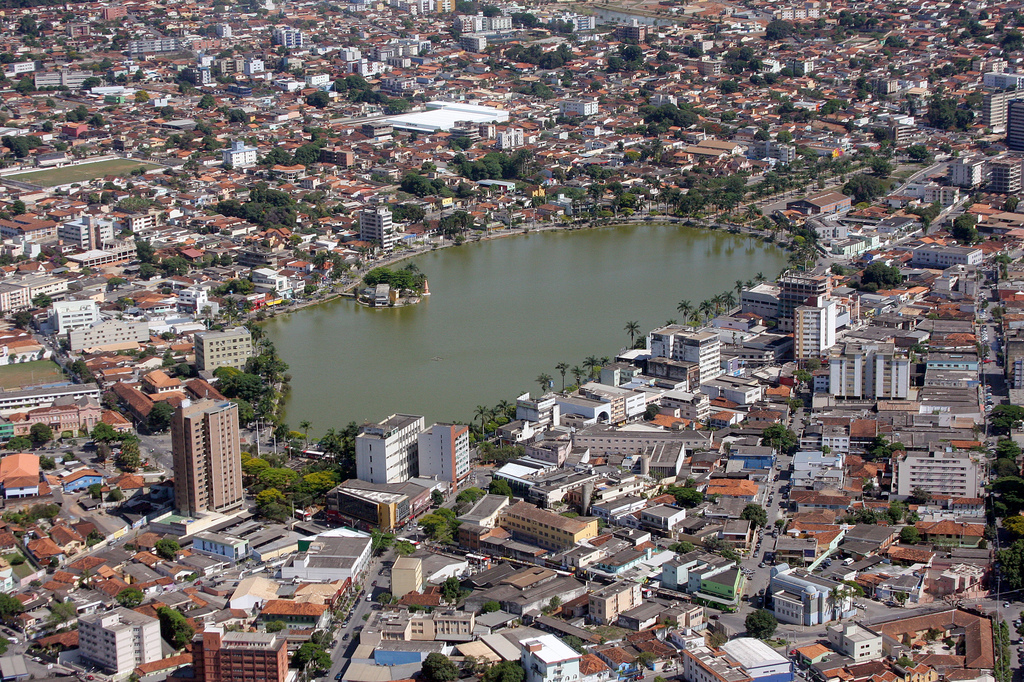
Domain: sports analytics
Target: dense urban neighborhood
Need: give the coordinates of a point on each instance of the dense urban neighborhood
(812, 476)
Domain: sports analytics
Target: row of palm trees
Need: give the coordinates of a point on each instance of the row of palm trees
(701, 313)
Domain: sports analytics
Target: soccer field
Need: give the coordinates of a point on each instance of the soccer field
(29, 374)
(81, 173)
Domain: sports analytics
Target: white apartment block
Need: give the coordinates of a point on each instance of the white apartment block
(683, 345)
(814, 328)
(240, 155)
(548, 659)
(943, 473)
(444, 452)
(228, 348)
(967, 171)
(389, 452)
(869, 371)
(375, 226)
(68, 315)
(543, 411)
(109, 335)
(577, 107)
(119, 640)
(87, 232)
(510, 138)
(855, 641)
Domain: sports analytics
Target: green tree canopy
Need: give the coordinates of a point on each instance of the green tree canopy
(439, 668)
(761, 624)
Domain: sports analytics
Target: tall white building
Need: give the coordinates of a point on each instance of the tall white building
(375, 226)
(389, 452)
(940, 473)
(240, 155)
(288, 37)
(444, 452)
(510, 138)
(68, 315)
(119, 640)
(814, 328)
(684, 345)
(967, 171)
(868, 371)
(87, 233)
(548, 659)
(578, 107)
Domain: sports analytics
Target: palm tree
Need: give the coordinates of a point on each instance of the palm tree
(684, 308)
(506, 408)
(578, 373)
(481, 412)
(729, 300)
(304, 425)
(671, 321)
(695, 318)
(632, 328)
(705, 308)
(544, 380)
(759, 277)
(592, 362)
(739, 286)
(562, 368)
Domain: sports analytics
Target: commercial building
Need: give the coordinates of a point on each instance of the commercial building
(942, 257)
(795, 288)
(65, 77)
(109, 334)
(240, 155)
(68, 315)
(367, 505)
(633, 32)
(1004, 175)
(375, 226)
(814, 329)
(952, 473)
(443, 452)
(758, 660)
(205, 446)
(219, 656)
(153, 46)
(228, 348)
(1015, 125)
(823, 203)
(330, 558)
(442, 116)
(388, 452)
(220, 545)
(119, 640)
(86, 233)
(855, 641)
(19, 475)
(868, 371)
(406, 576)
(682, 345)
(548, 659)
(801, 598)
(545, 529)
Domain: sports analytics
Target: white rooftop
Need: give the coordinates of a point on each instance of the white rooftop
(753, 653)
(444, 115)
(552, 650)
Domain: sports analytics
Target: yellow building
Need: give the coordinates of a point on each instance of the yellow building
(406, 576)
(528, 523)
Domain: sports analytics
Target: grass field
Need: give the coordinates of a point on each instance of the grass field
(82, 173)
(29, 374)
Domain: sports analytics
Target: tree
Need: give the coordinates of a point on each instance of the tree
(207, 102)
(318, 99)
(310, 654)
(544, 380)
(500, 487)
(439, 668)
(104, 433)
(174, 627)
(1011, 565)
(1006, 417)
(506, 671)
(9, 607)
(632, 328)
(881, 275)
(130, 597)
(761, 624)
(778, 30)
(755, 513)
(40, 434)
(436, 498)
(1014, 525)
(451, 590)
(160, 416)
(910, 535)
(490, 607)
(167, 548)
(780, 438)
(275, 626)
(62, 611)
(18, 443)
(129, 459)
(964, 230)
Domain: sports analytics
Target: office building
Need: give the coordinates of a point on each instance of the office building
(111, 334)
(329, 559)
(578, 107)
(967, 171)
(228, 348)
(952, 473)
(474, 42)
(86, 233)
(548, 659)
(207, 457)
(869, 371)
(219, 656)
(1015, 124)
(406, 576)
(794, 289)
(444, 452)
(287, 37)
(681, 344)
(802, 598)
(119, 640)
(993, 109)
(388, 452)
(942, 257)
(375, 226)
(1004, 176)
(240, 155)
(68, 315)
(855, 641)
(814, 329)
(528, 523)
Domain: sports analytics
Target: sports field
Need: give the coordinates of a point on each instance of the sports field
(82, 173)
(29, 374)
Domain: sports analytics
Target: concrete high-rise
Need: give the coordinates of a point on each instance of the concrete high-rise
(389, 452)
(794, 289)
(1015, 125)
(119, 640)
(207, 457)
(219, 656)
(993, 109)
(444, 452)
(375, 226)
(814, 328)
(1004, 176)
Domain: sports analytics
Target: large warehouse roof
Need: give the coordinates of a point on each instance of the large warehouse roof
(444, 115)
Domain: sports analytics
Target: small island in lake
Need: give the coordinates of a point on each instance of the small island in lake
(387, 288)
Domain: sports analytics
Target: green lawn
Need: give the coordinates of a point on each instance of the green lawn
(81, 173)
(21, 570)
(29, 374)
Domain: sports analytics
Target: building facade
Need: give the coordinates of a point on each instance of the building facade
(443, 452)
(375, 226)
(119, 640)
(388, 452)
(219, 656)
(228, 348)
(207, 457)
(869, 371)
(942, 473)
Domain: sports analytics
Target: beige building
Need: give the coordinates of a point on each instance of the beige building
(109, 335)
(406, 576)
(606, 604)
(855, 641)
(229, 348)
(119, 640)
(207, 457)
(441, 626)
